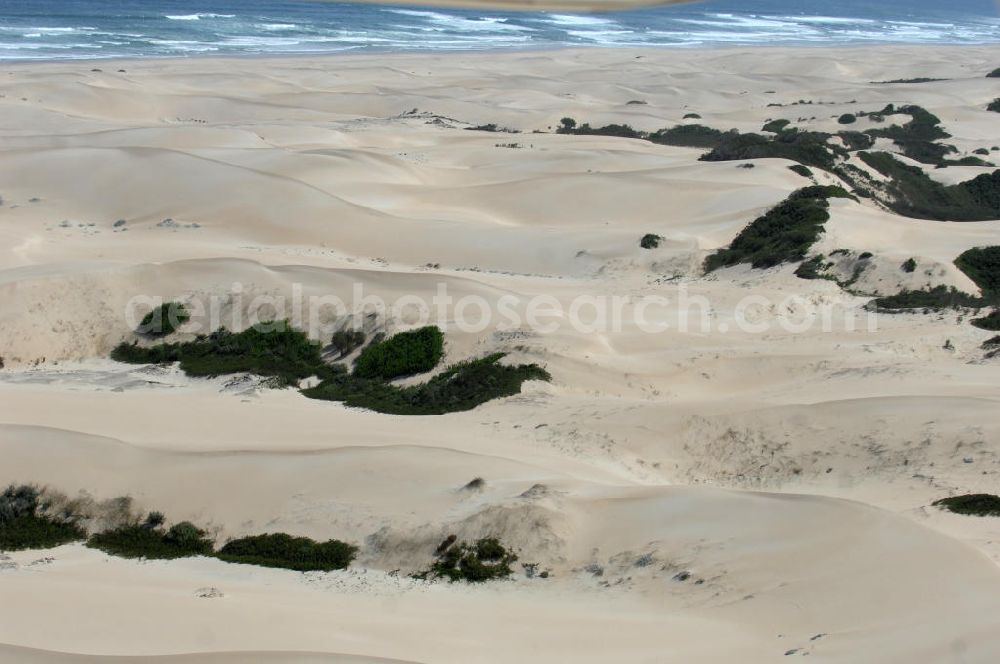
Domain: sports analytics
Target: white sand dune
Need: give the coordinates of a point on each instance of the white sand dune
(706, 496)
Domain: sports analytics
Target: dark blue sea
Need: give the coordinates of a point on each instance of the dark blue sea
(54, 29)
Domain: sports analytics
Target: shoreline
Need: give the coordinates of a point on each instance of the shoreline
(512, 51)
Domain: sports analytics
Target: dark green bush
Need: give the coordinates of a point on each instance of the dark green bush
(650, 241)
(982, 265)
(484, 560)
(692, 116)
(912, 193)
(142, 541)
(23, 525)
(910, 80)
(776, 126)
(296, 553)
(994, 105)
(805, 147)
(799, 169)
(785, 233)
(403, 354)
(847, 118)
(566, 125)
(461, 387)
(347, 341)
(994, 74)
(909, 266)
(939, 297)
(279, 351)
(163, 320)
(990, 321)
(974, 504)
(687, 136)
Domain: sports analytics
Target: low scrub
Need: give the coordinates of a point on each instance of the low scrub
(150, 540)
(982, 265)
(459, 388)
(912, 193)
(650, 241)
(974, 504)
(25, 525)
(484, 560)
(784, 234)
(284, 551)
(163, 320)
(994, 105)
(990, 321)
(278, 351)
(403, 354)
(937, 298)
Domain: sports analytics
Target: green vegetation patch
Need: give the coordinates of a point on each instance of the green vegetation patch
(982, 265)
(461, 387)
(917, 139)
(799, 169)
(909, 266)
(484, 560)
(974, 504)
(847, 118)
(153, 542)
(785, 233)
(912, 193)
(403, 354)
(284, 551)
(776, 126)
(163, 320)
(920, 79)
(275, 350)
(687, 136)
(805, 147)
(994, 74)
(24, 525)
(937, 298)
(650, 241)
(990, 321)
(994, 105)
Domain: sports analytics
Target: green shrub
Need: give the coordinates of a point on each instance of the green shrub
(776, 126)
(847, 118)
(982, 265)
(23, 525)
(805, 147)
(994, 74)
(910, 80)
(284, 551)
(939, 297)
(687, 136)
(994, 105)
(917, 138)
(799, 169)
(912, 193)
(692, 116)
(484, 560)
(990, 321)
(403, 354)
(279, 351)
(650, 241)
(784, 234)
(909, 266)
(566, 125)
(974, 504)
(163, 320)
(347, 341)
(142, 541)
(461, 387)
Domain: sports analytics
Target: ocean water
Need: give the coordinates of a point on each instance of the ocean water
(56, 29)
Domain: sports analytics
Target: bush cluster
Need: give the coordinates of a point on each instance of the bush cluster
(24, 525)
(909, 266)
(163, 320)
(975, 504)
(982, 265)
(150, 540)
(912, 193)
(403, 354)
(990, 321)
(650, 241)
(297, 553)
(483, 560)
(288, 356)
(279, 351)
(939, 297)
(785, 233)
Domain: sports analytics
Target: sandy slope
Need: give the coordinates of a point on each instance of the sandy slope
(697, 496)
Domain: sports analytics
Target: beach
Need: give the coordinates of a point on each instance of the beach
(693, 485)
